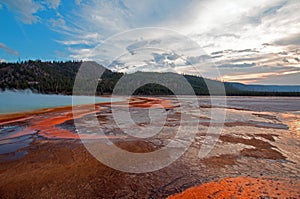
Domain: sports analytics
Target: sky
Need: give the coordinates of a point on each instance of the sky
(253, 42)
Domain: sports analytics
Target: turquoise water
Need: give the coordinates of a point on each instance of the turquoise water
(20, 101)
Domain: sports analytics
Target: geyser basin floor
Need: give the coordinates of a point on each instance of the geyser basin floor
(260, 144)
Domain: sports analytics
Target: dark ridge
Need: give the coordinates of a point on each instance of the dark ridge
(57, 77)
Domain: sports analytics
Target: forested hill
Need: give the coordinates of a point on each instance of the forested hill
(49, 77)
(58, 78)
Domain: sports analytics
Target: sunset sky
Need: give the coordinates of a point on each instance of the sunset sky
(255, 42)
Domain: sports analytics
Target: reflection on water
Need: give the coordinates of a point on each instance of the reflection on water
(260, 104)
(20, 101)
(12, 148)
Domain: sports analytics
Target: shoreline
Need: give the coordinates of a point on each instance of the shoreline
(46, 126)
(145, 102)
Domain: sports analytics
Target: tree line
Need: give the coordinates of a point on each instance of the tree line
(57, 77)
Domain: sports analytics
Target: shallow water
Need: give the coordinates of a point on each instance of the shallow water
(261, 104)
(20, 101)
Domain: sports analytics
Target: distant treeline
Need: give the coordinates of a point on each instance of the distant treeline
(58, 77)
(49, 77)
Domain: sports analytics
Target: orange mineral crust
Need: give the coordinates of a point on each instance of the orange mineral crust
(243, 187)
(45, 121)
(140, 102)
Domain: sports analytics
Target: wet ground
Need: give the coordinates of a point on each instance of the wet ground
(42, 156)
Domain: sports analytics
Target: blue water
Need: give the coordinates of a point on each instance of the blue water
(20, 101)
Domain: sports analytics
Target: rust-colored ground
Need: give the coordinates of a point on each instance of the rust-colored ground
(57, 165)
(64, 169)
(243, 187)
(47, 126)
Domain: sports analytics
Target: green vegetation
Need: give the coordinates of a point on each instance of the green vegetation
(58, 78)
(49, 77)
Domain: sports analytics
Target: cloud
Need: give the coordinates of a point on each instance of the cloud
(217, 52)
(254, 24)
(134, 46)
(283, 53)
(53, 3)
(282, 79)
(273, 9)
(111, 17)
(105, 17)
(77, 2)
(251, 78)
(232, 52)
(254, 58)
(58, 23)
(293, 39)
(197, 59)
(237, 65)
(25, 9)
(291, 60)
(8, 50)
(165, 57)
(245, 50)
(227, 35)
(285, 60)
